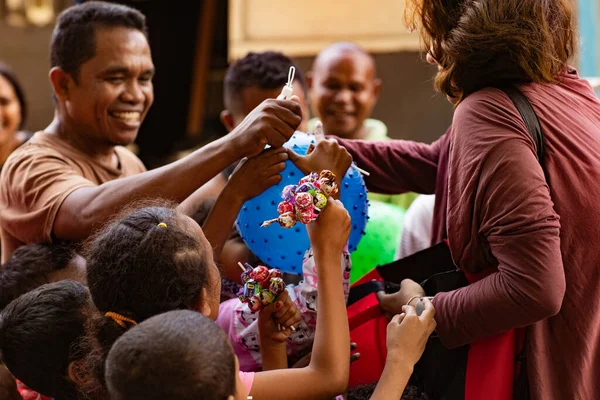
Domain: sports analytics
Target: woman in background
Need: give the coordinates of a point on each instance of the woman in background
(13, 113)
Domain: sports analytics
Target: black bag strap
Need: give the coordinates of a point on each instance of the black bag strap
(531, 121)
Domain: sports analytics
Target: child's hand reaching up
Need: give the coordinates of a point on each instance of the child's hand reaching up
(407, 333)
(407, 336)
(281, 313)
(330, 232)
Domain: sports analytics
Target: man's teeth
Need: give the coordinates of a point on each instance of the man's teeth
(127, 116)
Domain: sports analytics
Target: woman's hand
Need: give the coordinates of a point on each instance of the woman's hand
(393, 303)
(328, 154)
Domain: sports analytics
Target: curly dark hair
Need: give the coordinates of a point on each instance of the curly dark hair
(494, 42)
(267, 70)
(179, 354)
(139, 268)
(29, 267)
(41, 334)
(74, 37)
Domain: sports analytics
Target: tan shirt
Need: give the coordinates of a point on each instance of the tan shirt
(38, 177)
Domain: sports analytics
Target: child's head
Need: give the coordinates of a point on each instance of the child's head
(33, 265)
(343, 89)
(41, 338)
(152, 260)
(177, 355)
(257, 77)
(145, 262)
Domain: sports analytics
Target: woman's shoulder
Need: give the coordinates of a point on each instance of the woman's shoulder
(486, 118)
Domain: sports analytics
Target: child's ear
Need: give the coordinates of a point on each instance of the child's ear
(76, 372)
(227, 120)
(202, 304)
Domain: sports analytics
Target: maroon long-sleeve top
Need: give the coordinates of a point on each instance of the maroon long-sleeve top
(499, 214)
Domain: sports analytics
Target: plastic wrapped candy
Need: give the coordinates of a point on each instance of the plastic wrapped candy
(306, 216)
(262, 288)
(308, 187)
(288, 193)
(304, 200)
(266, 297)
(275, 273)
(254, 304)
(276, 286)
(328, 175)
(285, 206)
(328, 188)
(320, 201)
(260, 274)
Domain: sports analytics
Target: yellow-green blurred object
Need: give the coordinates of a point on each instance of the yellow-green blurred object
(381, 239)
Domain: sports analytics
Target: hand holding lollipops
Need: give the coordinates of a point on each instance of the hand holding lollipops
(261, 286)
(305, 201)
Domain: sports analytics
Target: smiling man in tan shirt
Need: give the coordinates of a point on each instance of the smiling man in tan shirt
(71, 177)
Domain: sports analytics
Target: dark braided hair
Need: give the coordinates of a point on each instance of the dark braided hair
(138, 269)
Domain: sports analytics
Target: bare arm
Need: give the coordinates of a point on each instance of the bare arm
(407, 336)
(327, 374)
(252, 177)
(283, 313)
(273, 123)
(87, 207)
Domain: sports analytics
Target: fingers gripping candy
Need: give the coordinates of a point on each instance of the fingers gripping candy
(304, 202)
(261, 286)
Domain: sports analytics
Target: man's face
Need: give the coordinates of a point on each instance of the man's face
(343, 92)
(114, 89)
(251, 97)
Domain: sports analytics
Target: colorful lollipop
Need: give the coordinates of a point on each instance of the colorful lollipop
(261, 286)
(304, 202)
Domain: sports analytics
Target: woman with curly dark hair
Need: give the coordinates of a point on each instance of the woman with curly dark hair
(525, 230)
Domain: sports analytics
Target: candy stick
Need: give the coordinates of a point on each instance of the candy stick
(241, 266)
(362, 171)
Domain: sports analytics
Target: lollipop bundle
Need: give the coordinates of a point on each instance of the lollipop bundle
(261, 286)
(305, 201)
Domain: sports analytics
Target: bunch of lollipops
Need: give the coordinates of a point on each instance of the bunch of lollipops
(305, 201)
(261, 286)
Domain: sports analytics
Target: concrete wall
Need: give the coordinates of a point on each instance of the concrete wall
(26, 51)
